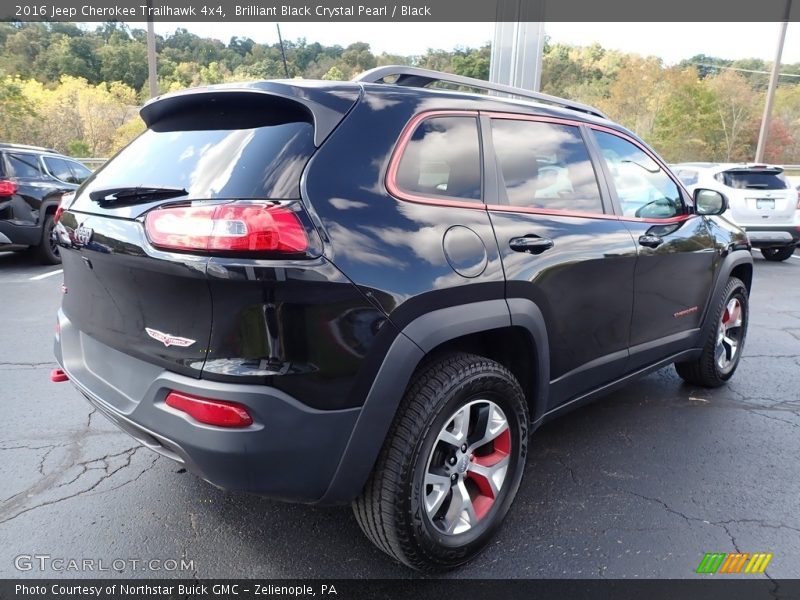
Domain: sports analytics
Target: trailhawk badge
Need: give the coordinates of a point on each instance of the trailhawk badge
(168, 339)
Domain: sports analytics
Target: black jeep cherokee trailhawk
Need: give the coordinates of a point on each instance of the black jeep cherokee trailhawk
(374, 291)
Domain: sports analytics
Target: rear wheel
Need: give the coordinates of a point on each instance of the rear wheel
(723, 347)
(777, 254)
(47, 250)
(451, 465)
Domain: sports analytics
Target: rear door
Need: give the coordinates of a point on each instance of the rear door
(759, 195)
(562, 248)
(676, 250)
(155, 304)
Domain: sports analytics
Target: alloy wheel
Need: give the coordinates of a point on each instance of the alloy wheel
(729, 335)
(467, 467)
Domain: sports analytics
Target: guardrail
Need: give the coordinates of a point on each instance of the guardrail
(92, 163)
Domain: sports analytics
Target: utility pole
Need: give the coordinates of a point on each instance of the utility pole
(151, 52)
(763, 133)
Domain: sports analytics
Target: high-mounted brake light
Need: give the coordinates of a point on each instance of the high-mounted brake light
(233, 227)
(211, 412)
(7, 188)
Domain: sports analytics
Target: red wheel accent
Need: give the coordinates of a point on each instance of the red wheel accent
(483, 502)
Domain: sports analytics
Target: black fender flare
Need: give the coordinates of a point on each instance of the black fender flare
(729, 263)
(49, 201)
(409, 348)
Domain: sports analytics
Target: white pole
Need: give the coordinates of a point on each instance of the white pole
(763, 134)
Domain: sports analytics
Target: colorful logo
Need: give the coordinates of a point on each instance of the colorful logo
(720, 562)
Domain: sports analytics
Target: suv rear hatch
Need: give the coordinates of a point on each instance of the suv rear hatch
(217, 173)
(760, 195)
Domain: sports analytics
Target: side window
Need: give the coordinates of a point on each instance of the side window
(442, 158)
(643, 187)
(24, 166)
(79, 172)
(545, 165)
(59, 168)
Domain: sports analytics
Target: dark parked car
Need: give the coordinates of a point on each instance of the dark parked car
(32, 181)
(372, 292)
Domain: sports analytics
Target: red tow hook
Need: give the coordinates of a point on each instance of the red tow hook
(58, 376)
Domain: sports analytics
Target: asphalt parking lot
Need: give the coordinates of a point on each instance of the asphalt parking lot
(640, 484)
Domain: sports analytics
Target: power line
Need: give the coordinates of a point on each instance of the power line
(713, 66)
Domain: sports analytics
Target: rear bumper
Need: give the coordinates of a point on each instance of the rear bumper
(19, 235)
(291, 451)
(770, 236)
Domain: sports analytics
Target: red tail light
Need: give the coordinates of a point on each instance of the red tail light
(211, 412)
(236, 227)
(798, 199)
(7, 188)
(59, 212)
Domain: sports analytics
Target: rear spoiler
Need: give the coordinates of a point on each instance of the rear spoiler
(322, 103)
(757, 168)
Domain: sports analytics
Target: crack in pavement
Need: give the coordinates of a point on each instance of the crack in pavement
(26, 447)
(25, 501)
(26, 364)
(771, 418)
(568, 468)
(40, 488)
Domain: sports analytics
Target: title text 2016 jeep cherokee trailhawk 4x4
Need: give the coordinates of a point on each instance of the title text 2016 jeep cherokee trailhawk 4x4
(373, 292)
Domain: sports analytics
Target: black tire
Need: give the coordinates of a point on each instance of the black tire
(391, 510)
(777, 254)
(706, 370)
(47, 250)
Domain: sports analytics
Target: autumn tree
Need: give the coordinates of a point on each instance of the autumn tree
(736, 105)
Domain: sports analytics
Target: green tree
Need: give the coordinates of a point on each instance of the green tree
(334, 74)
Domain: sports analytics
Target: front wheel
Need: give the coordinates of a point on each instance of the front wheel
(777, 254)
(723, 347)
(451, 465)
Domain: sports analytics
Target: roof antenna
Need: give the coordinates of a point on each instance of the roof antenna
(283, 52)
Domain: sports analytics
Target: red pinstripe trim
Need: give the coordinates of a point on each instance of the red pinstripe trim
(411, 126)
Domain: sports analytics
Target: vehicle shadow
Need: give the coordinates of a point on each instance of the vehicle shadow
(19, 258)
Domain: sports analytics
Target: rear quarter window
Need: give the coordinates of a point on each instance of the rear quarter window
(442, 158)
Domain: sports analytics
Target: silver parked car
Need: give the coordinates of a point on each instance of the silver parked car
(761, 201)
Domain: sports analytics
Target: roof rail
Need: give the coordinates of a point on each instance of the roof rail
(416, 77)
(13, 146)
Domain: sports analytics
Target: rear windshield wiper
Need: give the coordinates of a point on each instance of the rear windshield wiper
(134, 195)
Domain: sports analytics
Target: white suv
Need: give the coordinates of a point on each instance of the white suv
(761, 201)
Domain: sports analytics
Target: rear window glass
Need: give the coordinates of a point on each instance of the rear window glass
(443, 158)
(260, 162)
(24, 166)
(759, 180)
(687, 177)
